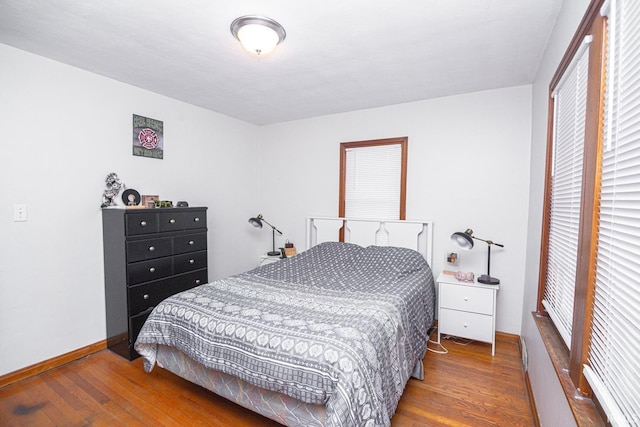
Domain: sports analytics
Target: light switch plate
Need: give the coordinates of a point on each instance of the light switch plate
(19, 213)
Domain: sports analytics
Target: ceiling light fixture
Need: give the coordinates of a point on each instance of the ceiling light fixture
(258, 34)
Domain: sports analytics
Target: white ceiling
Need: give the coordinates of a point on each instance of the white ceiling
(339, 55)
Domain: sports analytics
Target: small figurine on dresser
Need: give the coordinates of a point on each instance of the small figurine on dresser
(113, 188)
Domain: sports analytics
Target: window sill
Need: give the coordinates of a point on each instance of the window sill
(583, 409)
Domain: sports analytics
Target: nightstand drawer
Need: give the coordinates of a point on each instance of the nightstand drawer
(466, 298)
(463, 324)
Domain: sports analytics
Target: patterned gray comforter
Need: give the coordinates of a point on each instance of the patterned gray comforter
(338, 325)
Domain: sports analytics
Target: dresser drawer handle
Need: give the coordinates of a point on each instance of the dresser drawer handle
(191, 242)
(191, 261)
(152, 248)
(152, 270)
(145, 296)
(197, 281)
(143, 223)
(465, 325)
(466, 298)
(196, 219)
(172, 221)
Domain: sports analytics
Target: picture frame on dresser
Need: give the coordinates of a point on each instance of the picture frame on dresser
(149, 255)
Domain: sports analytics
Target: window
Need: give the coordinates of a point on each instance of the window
(373, 179)
(612, 370)
(570, 101)
(603, 340)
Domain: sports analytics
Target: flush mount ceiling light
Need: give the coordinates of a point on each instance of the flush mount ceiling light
(258, 34)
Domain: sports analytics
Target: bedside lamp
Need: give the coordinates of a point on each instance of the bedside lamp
(465, 241)
(257, 222)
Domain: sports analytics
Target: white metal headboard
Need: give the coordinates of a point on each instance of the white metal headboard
(416, 235)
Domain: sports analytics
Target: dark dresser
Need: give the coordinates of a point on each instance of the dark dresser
(149, 255)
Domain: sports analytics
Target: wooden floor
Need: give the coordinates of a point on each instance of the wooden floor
(464, 387)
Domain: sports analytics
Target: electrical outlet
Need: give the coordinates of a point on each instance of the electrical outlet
(19, 213)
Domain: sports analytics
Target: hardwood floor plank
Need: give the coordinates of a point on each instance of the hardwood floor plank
(54, 405)
(466, 387)
(22, 410)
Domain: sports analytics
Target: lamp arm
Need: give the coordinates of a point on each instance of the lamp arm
(274, 229)
(488, 242)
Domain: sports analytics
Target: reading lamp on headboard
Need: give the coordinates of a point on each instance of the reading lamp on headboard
(257, 222)
(465, 241)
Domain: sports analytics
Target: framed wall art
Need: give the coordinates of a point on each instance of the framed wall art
(148, 137)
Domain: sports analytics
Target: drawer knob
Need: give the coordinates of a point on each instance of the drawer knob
(191, 242)
(191, 261)
(172, 221)
(466, 298)
(145, 296)
(197, 281)
(196, 219)
(152, 248)
(152, 270)
(465, 325)
(143, 223)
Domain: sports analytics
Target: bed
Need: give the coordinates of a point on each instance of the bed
(326, 338)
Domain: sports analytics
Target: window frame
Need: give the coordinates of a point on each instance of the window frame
(344, 146)
(572, 359)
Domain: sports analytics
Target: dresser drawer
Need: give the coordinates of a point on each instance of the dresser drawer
(190, 243)
(171, 221)
(148, 295)
(186, 281)
(464, 324)
(135, 325)
(189, 262)
(141, 223)
(466, 298)
(195, 219)
(146, 271)
(140, 250)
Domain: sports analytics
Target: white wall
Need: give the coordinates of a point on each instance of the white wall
(62, 130)
(468, 167)
(551, 402)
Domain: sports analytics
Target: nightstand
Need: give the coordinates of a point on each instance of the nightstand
(467, 310)
(267, 259)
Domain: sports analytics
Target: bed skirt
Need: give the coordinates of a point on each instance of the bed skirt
(273, 405)
(276, 406)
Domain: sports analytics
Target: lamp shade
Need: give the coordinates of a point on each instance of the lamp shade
(256, 222)
(463, 239)
(258, 34)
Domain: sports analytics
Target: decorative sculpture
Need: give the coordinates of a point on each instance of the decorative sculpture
(113, 188)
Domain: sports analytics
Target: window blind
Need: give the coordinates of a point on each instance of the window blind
(570, 97)
(372, 181)
(613, 365)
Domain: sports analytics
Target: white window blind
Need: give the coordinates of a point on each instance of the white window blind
(372, 181)
(566, 185)
(613, 367)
